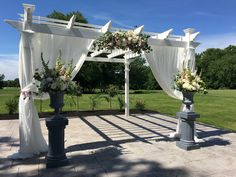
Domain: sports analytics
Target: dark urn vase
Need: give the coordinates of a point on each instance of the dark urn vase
(188, 100)
(188, 117)
(56, 155)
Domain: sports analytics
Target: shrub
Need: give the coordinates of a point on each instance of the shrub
(12, 105)
(112, 91)
(94, 101)
(140, 105)
(120, 102)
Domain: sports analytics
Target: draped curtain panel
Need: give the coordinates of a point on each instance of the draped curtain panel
(31, 47)
(165, 63)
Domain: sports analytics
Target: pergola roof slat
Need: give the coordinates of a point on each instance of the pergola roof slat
(131, 55)
(116, 53)
(96, 53)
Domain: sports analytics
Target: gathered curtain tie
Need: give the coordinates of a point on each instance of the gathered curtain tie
(26, 94)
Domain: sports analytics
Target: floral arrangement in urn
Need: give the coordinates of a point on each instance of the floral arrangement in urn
(56, 79)
(189, 82)
(125, 40)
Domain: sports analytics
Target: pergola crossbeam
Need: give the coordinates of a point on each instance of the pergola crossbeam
(90, 33)
(101, 59)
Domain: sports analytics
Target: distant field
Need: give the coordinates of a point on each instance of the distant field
(217, 108)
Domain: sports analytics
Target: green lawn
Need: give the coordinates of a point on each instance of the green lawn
(216, 108)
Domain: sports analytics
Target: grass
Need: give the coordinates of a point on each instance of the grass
(216, 108)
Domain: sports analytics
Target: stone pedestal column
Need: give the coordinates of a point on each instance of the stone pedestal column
(56, 155)
(186, 141)
(188, 117)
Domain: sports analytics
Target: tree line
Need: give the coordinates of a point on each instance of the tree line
(218, 67)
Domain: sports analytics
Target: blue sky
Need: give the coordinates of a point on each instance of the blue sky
(215, 19)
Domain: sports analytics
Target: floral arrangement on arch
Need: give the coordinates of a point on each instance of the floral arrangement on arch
(123, 40)
(56, 79)
(189, 81)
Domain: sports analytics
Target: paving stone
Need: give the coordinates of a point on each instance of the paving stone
(115, 146)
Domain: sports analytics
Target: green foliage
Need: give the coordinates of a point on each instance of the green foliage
(140, 104)
(112, 91)
(12, 83)
(94, 101)
(12, 105)
(61, 16)
(218, 67)
(56, 79)
(151, 83)
(2, 76)
(74, 95)
(125, 40)
(141, 76)
(121, 102)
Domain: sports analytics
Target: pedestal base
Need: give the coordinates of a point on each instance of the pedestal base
(187, 147)
(59, 162)
(56, 156)
(186, 141)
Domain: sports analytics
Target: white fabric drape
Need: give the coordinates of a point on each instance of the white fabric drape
(31, 46)
(165, 62)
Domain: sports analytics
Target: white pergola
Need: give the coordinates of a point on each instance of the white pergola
(37, 24)
(169, 54)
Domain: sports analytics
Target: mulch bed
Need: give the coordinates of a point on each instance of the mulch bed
(79, 113)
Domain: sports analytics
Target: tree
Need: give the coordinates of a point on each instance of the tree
(151, 83)
(138, 74)
(2, 76)
(59, 15)
(141, 76)
(12, 83)
(218, 67)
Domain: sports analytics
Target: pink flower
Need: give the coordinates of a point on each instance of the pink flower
(62, 71)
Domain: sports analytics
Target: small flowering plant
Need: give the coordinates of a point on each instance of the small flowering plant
(57, 79)
(189, 81)
(123, 40)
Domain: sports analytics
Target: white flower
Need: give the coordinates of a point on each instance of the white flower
(186, 85)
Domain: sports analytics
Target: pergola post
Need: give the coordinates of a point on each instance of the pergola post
(126, 88)
(189, 37)
(28, 10)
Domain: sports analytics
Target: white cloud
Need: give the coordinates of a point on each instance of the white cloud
(9, 66)
(216, 41)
